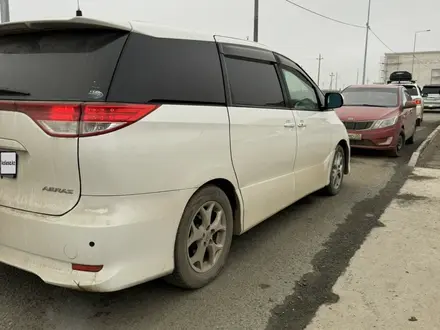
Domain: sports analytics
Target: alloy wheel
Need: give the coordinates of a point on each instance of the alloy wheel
(337, 170)
(206, 237)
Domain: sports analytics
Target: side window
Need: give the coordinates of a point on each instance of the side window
(406, 97)
(302, 95)
(254, 84)
(168, 71)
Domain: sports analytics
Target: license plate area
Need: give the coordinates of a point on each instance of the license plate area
(8, 164)
(354, 136)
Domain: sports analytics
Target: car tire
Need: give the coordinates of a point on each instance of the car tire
(336, 172)
(419, 121)
(207, 222)
(396, 151)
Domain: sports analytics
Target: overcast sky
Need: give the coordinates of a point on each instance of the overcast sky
(284, 27)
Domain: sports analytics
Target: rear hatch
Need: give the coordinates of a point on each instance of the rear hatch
(431, 94)
(47, 70)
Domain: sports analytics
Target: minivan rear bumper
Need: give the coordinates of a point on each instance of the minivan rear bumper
(131, 236)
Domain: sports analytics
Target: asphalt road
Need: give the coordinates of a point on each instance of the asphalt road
(278, 274)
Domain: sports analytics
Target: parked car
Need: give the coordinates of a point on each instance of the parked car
(431, 96)
(132, 151)
(404, 78)
(379, 117)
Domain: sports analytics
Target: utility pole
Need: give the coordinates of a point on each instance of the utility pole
(366, 43)
(331, 80)
(4, 8)
(256, 5)
(336, 81)
(320, 58)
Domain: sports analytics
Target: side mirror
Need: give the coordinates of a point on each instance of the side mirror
(333, 100)
(409, 104)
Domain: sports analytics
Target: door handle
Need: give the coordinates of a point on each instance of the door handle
(289, 124)
(301, 124)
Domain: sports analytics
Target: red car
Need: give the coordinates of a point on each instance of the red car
(381, 117)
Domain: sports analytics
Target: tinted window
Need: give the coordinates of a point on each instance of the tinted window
(412, 90)
(60, 65)
(381, 97)
(431, 90)
(254, 83)
(168, 70)
(302, 96)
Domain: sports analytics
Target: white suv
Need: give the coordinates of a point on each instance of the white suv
(404, 78)
(131, 151)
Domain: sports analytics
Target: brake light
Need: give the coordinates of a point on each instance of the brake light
(418, 101)
(80, 119)
(104, 118)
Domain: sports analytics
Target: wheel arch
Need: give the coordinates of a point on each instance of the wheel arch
(231, 192)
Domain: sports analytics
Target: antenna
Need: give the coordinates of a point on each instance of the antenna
(78, 11)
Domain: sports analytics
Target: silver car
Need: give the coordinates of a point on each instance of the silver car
(431, 96)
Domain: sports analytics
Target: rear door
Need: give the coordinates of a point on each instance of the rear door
(44, 77)
(262, 131)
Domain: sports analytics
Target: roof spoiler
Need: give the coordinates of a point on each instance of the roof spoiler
(60, 24)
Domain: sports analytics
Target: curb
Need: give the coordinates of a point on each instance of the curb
(416, 154)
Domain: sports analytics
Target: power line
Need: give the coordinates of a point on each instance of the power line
(326, 17)
(380, 40)
(392, 51)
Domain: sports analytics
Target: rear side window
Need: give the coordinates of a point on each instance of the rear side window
(160, 70)
(412, 90)
(254, 83)
(74, 65)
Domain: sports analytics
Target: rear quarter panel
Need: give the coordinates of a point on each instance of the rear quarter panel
(175, 147)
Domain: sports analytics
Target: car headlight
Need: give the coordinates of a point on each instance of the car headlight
(385, 122)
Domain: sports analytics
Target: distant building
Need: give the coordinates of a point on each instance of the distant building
(426, 66)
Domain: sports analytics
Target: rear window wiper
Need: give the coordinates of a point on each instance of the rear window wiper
(6, 91)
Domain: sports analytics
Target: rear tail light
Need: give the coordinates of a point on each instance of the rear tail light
(80, 119)
(418, 101)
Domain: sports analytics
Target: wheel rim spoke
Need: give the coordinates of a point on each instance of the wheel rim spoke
(196, 234)
(206, 213)
(217, 225)
(198, 258)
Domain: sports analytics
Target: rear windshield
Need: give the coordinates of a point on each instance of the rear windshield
(431, 90)
(412, 90)
(378, 97)
(59, 65)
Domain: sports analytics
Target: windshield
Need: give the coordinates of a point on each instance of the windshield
(379, 97)
(431, 90)
(412, 90)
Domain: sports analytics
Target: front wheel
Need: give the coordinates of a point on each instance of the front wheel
(336, 172)
(399, 145)
(203, 239)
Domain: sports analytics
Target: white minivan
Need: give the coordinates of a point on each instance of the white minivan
(131, 151)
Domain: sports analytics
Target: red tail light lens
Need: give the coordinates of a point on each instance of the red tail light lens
(418, 101)
(79, 120)
(103, 118)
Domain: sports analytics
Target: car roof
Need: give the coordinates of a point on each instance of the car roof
(147, 28)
